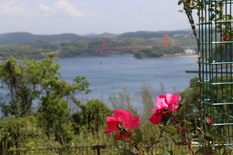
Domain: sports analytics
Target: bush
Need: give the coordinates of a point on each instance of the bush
(91, 116)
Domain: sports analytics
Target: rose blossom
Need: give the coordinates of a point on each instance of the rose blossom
(121, 122)
(164, 104)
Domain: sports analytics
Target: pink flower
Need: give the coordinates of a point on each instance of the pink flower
(208, 120)
(224, 38)
(121, 122)
(164, 104)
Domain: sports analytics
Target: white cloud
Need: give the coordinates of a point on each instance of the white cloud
(62, 6)
(13, 8)
(85, 4)
(44, 7)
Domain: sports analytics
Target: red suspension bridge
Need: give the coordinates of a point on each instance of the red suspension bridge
(105, 49)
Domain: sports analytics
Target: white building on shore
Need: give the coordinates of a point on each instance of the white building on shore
(189, 51)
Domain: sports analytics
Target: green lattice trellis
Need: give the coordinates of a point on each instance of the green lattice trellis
(216, 58)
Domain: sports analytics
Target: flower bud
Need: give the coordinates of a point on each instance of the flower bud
(208, 120)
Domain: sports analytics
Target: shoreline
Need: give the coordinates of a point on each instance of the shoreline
(164, 56)
(181, 55)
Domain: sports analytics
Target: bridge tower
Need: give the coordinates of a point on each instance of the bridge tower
(165, 40)
(104, 50)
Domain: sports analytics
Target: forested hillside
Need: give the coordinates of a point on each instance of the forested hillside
(22, 44)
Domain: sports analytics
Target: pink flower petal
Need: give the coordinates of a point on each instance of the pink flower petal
(112, 125)
(156, 117)
(122, 116)
(162, 96)
(172, 99)
(160, 103)
(122, 119)
(175, 108)
(169, 97)
(134, 123)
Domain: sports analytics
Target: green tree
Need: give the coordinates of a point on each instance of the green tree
(92, 115)
(123, 100)
(35, 87)
(31, 83)
(23, 133)
(147, 94)
(157, 51)
(191, 99)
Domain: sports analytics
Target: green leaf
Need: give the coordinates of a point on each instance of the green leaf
(52, 55)
(169, 129)
(208, 138)
(190, 136)
(212, 131)
(138, 135)
(168, 121)
(210, 9)
(200, 152)
(220, 49)
(186, 122)
(152, 140)
(227, 152)
(168, 153)
(220, 137)
(165, 119)
(127, 152)
(180, 2)
(219, 147)
(212, 17)
(204, 151)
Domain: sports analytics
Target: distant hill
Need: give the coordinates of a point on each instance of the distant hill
(103, 35)
(23, 37)
(149, 34)
(18, 38)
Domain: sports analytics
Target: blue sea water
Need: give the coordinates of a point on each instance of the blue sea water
(109, 75)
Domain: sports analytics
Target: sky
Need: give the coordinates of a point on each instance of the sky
(90, 16)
